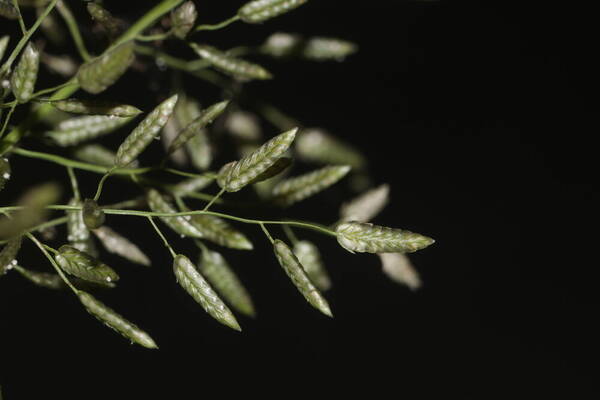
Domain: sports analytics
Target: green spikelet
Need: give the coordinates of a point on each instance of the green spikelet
(366, 206)
(257, 11)
(220, 232)
(230, 65)
(8, 255)
(113, 26)
(293, 190)
(42, 279)
(84, 266)
(289, 262)
(197, 287)
(93, 107)
(217, 271)
(192, 185)
(309, 256)
(237, 174)
(119, 245)
(364, 237)
(97, 154)
(323, 48)
(180, 224)
(397, 267)
(205, 118)
(77, 130)
(98, 74)
(183, 19)
(145, 132)
(3, 45)
(318, 146)
(115, 321)
(5, 172)
(23, 79)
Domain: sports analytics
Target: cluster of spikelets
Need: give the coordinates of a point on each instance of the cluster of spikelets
(184, 127)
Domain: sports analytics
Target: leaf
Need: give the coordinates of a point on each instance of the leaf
(206, 117)
(194, 283)
(192, 185)
(230, 65)
(237, 174)
(143, 134)
(293, 190)
(324, 48)
(120, 245)
(77, 130)
(42, 279)
(84, 266)
(3, 45)
(366, 206)
(292, 267)
(116, 321)
(310, 258)
(220, 232)
(180, 224)
(397, 267)
(22, 81)
(217, 271)
(99, 155)
(8, 254)
(257, 11)
(316, 145)
(183, 19)
(93, 216)
(98, 74)
(95, 107)
(364, 237)
(5, 172)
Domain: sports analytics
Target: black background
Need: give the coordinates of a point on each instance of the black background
(476, 114)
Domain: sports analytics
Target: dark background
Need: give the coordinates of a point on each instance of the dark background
(476, 114)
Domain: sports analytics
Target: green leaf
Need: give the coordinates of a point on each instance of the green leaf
(230, 65)
(22, 81)
(364, 237)
(98, 74)
(293, 190)
(257, 11)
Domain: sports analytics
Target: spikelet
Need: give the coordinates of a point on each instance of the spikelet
(77, 231)
(220, 232)
(115, 321)
(364, 237)
(277, 168)
(366, 206)
(323, 48)
(200, 150)
(94, 107)
(84, 266)
(316, 145)
(206, 117)
(42, 279)
(93, 216)
(64, 66)
(192, 185)
(117, 244)
(230, 65)
(243, 125)
(293, 190)
(197, 287)
(8, 254)
(143, 134)
(77, 130)
(7, 10)
(98, 74)
(3, 45)
(257, 11)
(217, 271)
(23, 79)
(105, 19)
(310, 258)
(5, 172)
(281, 44)
(99, 155)
(397, 267)
(289, 262)
(180, 224)
(237, 174)
(183, 19)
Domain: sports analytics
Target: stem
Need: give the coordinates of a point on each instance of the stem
(52, 261)
(152, 38)
(101, 183)
(290, 234)
(69, 19)
(262, 226)
(210, 203)
(164, 239)
(20, 17)
(38, 94)
(217, 26)
(74, 184)
(7, 119)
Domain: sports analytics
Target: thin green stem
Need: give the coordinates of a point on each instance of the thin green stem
(210, 203)
(101, 183)
(164, 239)
(74, 184)
(264, 229)
(69, 19)
(153, 38)
(290, 234)
(20, 17)
(42, 248)
(220, 25)
(7, 119)
(38, 94)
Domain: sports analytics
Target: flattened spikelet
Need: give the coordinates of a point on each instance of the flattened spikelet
(113, 26)
(278, 167)
(5, 172)
(192, 185)
(98, 74)
(218, 231)
(230, 65)
(206, 117)
(197, 287)
(281, 44)
(84, 266)
(116, 321)
(8, 254)
(237, 174)
(93, 216)
(397, 267)
(366, 206)
(309, 256)
(323, 48)
(180, 224)
(3, 45)
(292, 190)
(145, 132)
(364, 237)
(183, 19)
(42, 279)
(316, 145)
(7, 10)
(292, 267)
(77, 231)
(220, 275)
(23, 79)
(117, 244)
(77, 130)
(94, 107)
(97, 154)
(258, 11)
